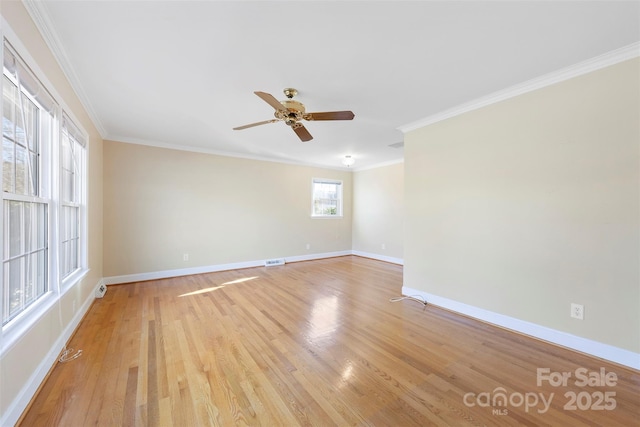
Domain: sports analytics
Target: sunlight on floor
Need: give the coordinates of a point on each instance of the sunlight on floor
(346, 374)
(213, 288)
(324, 318)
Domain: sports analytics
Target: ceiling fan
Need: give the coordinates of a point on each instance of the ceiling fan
(292, 112)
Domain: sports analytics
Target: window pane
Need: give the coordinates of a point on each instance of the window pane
(69, 255)
(31, 125)
(66, 153)
(73, 188)
(75, 254)
(8, 111)
(70, 172)
(73, 215)
(64, 257)
(326, 207)
(20, 137)
(42, 225)
(25, 268)
(33, 172)
(63, 224)
(42, 272)
(29, 231)
(15, 228)
(8, 165)
(31, 269)
(15, 290)
(21, 170)
(326, 198)
(20, 142)
(5, 291)
(66, 186)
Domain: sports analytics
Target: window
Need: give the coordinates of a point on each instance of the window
(43, 221)
(326, 198)
(27, 134)
(72, 155)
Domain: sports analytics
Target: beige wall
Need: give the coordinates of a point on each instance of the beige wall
(378, 211)
(25, 359)
(160, 204)
(528, 205)
(519, 208)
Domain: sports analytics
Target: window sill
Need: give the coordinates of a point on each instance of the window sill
(73, 279)
(327, 216)
(20, 326)
(13, 331)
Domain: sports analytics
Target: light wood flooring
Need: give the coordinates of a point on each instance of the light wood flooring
(313, 343)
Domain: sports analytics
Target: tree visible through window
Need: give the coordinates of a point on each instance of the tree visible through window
(43, 196)
(327, 198)
(26, 128)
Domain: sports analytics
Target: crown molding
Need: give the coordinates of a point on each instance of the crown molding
(39, 14)
(379, 165)
(202, 150)
(610, 58)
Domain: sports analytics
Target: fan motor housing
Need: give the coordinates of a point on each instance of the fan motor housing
(294, 113)
(291, 104)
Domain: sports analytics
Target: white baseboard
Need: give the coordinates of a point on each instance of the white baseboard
(20, 403)
(593, 348)
(311, 257)
(379, 257)
(165, 274)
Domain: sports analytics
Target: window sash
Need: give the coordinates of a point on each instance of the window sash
(28, 116)
(25, 266)
(19, 71)
(69, 240)
(326, 198)
(20, 142)
(72, 155)
(43, 202)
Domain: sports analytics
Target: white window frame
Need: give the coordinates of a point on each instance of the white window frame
(79, 138)
(339, 198)
(17, 327)
(39, 195)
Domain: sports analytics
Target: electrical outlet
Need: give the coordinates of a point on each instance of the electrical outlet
(308, 246)
(74, 306)
(384, 246)
(185, 257)
(577, 311)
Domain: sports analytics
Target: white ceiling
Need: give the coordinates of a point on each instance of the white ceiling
(183, 73)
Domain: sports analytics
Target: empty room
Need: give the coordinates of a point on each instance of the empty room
(320, 213)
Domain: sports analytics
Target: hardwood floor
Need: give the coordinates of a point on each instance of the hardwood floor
(314, 343)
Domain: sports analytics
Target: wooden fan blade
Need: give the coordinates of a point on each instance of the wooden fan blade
(255, 124)
(330, 115)
(302, 132)
(269, 99)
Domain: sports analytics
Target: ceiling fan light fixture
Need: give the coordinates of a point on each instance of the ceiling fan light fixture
(348, 161)
(290, 92)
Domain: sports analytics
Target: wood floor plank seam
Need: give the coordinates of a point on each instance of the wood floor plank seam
(315, 343)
